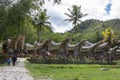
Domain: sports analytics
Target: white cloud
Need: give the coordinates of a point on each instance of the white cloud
(61, 29)
(115, 13)
(95, 9)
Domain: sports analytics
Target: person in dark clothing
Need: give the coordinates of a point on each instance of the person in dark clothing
(14, 59)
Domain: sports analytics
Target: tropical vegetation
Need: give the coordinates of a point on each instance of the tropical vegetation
(75, 15)
(17, 18)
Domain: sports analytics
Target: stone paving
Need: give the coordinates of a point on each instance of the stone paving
(18, 72)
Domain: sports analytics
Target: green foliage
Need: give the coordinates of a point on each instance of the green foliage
(91, 29)
(75, 15)
(73, 72)
(40, 22)
(29, 31)
(3, 58)
(15, 20)
(50, 61)
(109, 35)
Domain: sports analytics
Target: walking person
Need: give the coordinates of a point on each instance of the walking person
(14, 59)
(8, 61)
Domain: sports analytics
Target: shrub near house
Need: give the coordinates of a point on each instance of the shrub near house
(3, 58)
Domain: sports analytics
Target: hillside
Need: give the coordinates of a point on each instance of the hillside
(93, 24)
(91, 29)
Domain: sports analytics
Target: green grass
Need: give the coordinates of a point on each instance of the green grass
(73, 72)
(1, 65)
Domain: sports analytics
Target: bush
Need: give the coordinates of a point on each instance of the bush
(41, 60)
(3, 58)
(118, 62)
(48, 60)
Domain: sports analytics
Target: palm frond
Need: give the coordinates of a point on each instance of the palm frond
(75, 14)
(84, 15)
(68, 15)
(48, 23)
(70, 12)
(68, 20)
(80, 21)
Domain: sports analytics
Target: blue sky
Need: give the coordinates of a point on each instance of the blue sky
(97, 9)
(108, 8)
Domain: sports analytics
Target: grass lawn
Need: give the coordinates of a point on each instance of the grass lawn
(74, 72)
(4, 64)
(1, 65)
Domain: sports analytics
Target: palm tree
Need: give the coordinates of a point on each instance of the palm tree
(75, 15)
(54, 1)
(109, 36)
(41, 21)
(57, 1)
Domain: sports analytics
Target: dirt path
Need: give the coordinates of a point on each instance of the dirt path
(19, 72)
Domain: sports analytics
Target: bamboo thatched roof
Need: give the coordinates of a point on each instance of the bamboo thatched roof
(65, 42)
(11, 43)
(55, 43)
(113, 50)
(8, 44)
(37, 45)
(103, 47)
(56, 46)
(87, 43)
(117, 50)
(73, 46)
(88, 47)
(14, 43)
(82, 46)
(44, 44)
(29, 46)
(20, 42)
